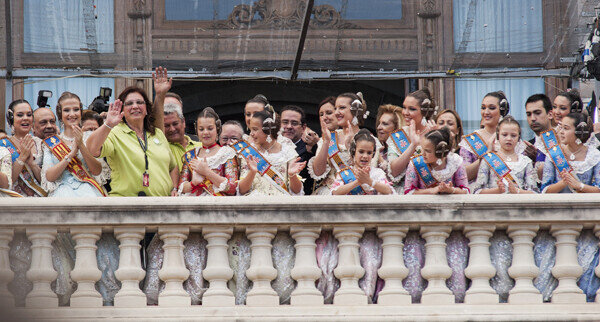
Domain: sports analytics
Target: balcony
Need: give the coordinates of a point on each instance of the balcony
(474, 257)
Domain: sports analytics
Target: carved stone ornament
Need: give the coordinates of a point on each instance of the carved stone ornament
(277, 14)
(429, 10)
(139, 10)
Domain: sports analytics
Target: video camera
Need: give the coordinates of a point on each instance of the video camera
(43, 97)
(100, 103)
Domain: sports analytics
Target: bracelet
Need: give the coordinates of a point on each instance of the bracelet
(20, 162)
(581, 186)
(108, 126)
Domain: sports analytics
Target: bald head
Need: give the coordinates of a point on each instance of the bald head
(44, 123)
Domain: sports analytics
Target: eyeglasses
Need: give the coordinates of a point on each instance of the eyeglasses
(130, 103)
(226, 139)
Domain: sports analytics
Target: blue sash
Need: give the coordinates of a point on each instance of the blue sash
(558, 158)
(549, 139)
(400, 140)
(348, 176)
(498, 165)
(11, 148)
(476, 143)
(423, 171)
(333, 154)
(263, 166)
(188, 157)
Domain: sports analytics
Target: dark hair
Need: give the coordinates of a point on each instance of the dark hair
(175, 96)
(358, 106)
(149, 118)
(64, 96)
(362, 135)
(426, 102)
(270, 123)
(507, 120)
(502, 101)
(583, 126)
(10, 112)
(259, 98)
(441, 140)
(540, 97)
(390, 109)
(296, 109)
(91, 115)
(574, 100)
(459, 126)
(2, 131)
(209, 112)
(328, 99)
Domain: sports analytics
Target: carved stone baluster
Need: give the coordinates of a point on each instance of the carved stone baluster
(261, 271)
(217, 271)
(597, 269)
(436, 269)
(130, 271)
(173, 271)
(6, 274)
(567, 269)
(41, 273)
(480, 268)
(523, 268)
(86, 272)
(392, 268)
(349, 270)
(306, 271)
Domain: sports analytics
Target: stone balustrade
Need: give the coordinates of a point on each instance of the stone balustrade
(302, 258)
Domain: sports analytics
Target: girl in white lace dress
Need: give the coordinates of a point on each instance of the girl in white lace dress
(57, 179)
(214, 170)
(279, 151)
(522, 171)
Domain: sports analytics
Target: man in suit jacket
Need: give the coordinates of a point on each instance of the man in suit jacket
(293, 125)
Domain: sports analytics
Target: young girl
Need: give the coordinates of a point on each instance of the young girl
(282, 177)
(446, 169)
(76, 173)
(575, 131)
(361, 178)
(332, 149)
(211, 170)
(509, 134)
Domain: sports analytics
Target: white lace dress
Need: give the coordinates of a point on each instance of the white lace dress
(376, 174)
(279, 162)
(521, 170)
(328, 177)
(68, 185)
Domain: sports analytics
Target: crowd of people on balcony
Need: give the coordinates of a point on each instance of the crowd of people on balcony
(139, 148)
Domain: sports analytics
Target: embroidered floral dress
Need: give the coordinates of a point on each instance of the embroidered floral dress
(329, 176)
(21, 186)
(376, 174)
(68, 185)
(454, 172)
(6, 167)
(261, 185)
(587, 171)
(224, 163)
(521, 170)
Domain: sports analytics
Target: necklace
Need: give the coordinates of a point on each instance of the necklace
(207, 149)
(572, 155)
(269, 148)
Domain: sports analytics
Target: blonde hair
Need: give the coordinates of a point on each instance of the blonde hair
(390, 109)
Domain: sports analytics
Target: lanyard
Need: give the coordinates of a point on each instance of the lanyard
(144, 146)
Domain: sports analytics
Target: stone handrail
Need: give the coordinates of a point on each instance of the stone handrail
(396, 226)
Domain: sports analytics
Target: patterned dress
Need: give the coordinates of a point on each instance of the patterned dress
(587, 171)
(6, 167)
(224, 163)
(21, 186)
(454, 173)
(521, 170)
(376, 174)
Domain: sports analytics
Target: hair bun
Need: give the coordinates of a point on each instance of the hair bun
(576, 107)
(504, 107)
(442, 149)
(582, 130)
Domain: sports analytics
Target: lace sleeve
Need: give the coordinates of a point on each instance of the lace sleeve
(48, 161)
(483, 177)
(104, 175)
(392, 155)
(379, 175)
(6, 165)
(301, 193)
(529, 179)
(311, 162)
(549, 176)
(460, 178)
(337, 184)
(468, 156)
(184, 176)
(39, 151)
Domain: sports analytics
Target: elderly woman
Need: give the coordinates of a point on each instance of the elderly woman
(137, 152)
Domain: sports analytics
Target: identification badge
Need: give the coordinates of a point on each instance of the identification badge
(146, 179)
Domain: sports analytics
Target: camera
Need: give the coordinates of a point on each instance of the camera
(100, 103)
(43, 97)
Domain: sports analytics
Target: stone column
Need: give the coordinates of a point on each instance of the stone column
(217, 271)
(436, 269)
(392, 268)
(86, 272)
(173, 271)
(567, 269)
(41, 273)
(6, 274)
(349, 270)
(523, 268)
(261, 271)
(306, 271)
(480, 268)
(130, 271)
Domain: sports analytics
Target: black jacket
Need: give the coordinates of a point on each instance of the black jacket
(305, 156)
